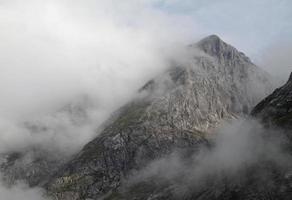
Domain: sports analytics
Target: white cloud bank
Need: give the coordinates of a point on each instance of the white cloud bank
(54, 51)
(21, 191)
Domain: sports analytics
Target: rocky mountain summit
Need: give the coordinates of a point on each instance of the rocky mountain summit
(178, 110)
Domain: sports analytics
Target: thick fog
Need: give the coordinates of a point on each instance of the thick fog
(66, 65)
(54, 53)
(21, 191)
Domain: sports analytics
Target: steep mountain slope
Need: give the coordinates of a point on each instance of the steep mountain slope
(276, 109)
(268, 177)
(176, 110)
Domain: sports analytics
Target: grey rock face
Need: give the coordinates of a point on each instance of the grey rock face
(175, 110)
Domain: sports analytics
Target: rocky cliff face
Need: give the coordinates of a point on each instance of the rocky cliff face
(276, 109)
(174, 111)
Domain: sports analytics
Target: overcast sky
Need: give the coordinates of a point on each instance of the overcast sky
(248, 24)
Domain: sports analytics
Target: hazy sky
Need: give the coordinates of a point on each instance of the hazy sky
(260, 28)
(248, 24)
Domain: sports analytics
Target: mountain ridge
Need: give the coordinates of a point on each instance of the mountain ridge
(214, 46)
(177, 110)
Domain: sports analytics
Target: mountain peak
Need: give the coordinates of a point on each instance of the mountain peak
(214, 46)
(211, 39)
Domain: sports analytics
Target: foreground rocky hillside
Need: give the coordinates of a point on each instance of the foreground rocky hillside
(276, 109)
(177, 110)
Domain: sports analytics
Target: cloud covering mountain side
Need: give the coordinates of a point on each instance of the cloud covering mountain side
(56, 51)
(21, 191)
(243, 151)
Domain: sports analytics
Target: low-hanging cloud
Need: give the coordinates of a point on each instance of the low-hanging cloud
(53, 52)
(238, 145)
(66, 65)
(21, 191)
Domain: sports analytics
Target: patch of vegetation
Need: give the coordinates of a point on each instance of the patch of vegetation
(68, 183)
(131, 115)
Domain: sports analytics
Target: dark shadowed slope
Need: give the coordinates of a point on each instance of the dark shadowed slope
(276, 109)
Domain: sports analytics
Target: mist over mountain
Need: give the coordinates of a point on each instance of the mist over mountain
(185, 135)
(179, 109)
(135, 100)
